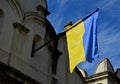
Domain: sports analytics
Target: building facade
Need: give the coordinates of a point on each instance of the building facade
(23, 29)
(104, 74)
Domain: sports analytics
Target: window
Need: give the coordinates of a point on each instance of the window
(1, 19)
(20, 34)
(36, 43)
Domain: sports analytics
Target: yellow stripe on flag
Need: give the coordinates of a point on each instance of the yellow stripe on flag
(75, 45)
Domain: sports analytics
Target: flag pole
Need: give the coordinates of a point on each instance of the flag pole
(63, 33)
(81, 20)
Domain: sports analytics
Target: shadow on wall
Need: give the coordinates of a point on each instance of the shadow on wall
(1, 19)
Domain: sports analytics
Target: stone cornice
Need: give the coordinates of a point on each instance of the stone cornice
(40, 8)
(20, 27)
(33, 15)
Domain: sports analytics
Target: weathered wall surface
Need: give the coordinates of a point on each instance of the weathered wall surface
(22, 24)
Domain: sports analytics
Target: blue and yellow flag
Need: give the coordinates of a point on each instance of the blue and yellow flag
(82, 41)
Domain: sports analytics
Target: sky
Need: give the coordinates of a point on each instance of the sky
(108, 26)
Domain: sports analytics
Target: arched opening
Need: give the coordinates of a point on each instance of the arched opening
(1, 19)
(36, 43)
(19, 39)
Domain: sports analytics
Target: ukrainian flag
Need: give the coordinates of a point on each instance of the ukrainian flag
(82, 41)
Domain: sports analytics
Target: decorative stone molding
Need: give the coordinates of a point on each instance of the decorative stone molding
(37, 38)
(33, 16)
(83, 72)
(21, 28)
(103, 66)
(104, 74)
(17, 7)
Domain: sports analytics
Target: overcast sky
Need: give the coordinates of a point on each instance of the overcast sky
(108, 30)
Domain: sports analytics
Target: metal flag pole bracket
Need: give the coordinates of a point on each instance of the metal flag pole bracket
(63, 33)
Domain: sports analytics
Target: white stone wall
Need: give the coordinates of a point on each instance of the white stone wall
(103, 66)
(16, 44)
(7, 29)
(104, 74)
